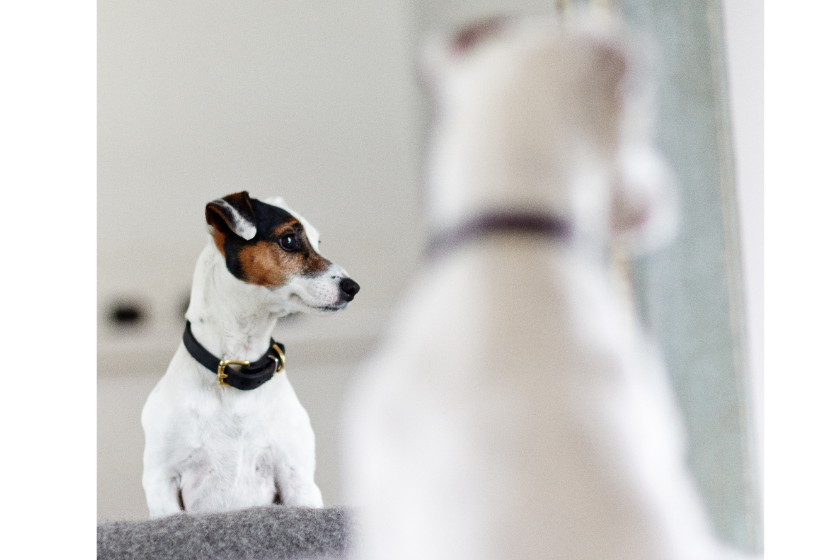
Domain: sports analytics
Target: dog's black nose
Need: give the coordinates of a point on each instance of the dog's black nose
(349, 289)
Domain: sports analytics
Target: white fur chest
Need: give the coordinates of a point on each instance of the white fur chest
(470, 436)
(223, 448)
(231, 454)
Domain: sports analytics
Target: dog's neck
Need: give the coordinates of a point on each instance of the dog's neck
(466, 188)
(483, 169)
(231, 319)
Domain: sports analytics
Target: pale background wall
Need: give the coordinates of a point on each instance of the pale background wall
(317, 102)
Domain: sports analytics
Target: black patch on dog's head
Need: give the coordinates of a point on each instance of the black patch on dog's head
(260, 259)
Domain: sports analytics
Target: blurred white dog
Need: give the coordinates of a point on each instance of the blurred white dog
(517, 409)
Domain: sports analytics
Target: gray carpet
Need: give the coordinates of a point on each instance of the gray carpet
(264, 533)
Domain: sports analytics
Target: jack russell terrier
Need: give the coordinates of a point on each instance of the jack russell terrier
(224, 428)
(516, 408)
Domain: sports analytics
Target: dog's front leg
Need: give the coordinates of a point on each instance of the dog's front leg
(297, 490)
(163, 493)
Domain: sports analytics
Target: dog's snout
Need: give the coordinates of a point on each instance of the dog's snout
(349, 288)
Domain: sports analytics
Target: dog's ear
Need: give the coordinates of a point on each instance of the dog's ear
(645, 209)
(234, 213)
(439, 52)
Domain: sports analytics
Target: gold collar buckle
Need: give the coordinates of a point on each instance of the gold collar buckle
(221, 375)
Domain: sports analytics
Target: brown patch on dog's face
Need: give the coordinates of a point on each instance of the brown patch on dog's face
(309, 262)
(263, 264)
(219, 239)
(266, 263)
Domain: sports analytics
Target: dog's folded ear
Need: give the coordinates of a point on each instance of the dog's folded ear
(440, 52)
(232, 213)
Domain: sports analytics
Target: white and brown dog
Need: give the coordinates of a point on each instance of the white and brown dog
(517, 409)
(230, 435)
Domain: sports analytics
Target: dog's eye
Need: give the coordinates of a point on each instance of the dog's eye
(290, 242)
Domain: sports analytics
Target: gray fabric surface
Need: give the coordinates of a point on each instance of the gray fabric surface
(264, 533)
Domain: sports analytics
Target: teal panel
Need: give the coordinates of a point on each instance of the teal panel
(691, 293)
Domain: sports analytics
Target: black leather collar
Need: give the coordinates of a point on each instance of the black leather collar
(250, 375)
(519, 222)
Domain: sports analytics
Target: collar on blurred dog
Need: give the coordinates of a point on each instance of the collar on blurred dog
(250, 376)
(510, 222)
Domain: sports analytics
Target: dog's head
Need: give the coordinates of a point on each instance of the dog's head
(554, 115)
(268, 244)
